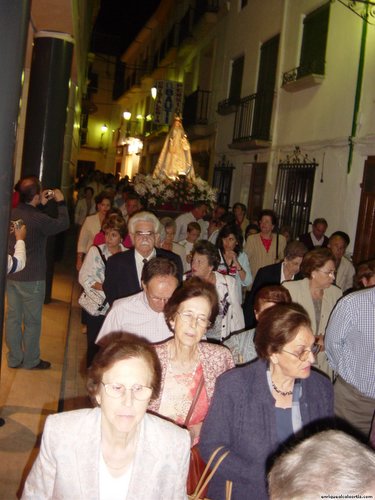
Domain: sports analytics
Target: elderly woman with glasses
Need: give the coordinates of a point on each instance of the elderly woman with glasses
(116, 450)
(317, 294)
(204, 265)
(259, 407)
(190, 367)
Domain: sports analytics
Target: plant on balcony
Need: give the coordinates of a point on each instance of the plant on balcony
(160, 191)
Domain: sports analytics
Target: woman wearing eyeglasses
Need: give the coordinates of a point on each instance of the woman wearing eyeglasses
(258, 408)
(190, 367)
(317, 294)
(115, 451)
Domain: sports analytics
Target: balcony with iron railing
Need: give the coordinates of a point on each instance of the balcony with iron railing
(196, 113)
(227, 106)
(305, 76)
(252, 121)
(196, 108)
(180, 35)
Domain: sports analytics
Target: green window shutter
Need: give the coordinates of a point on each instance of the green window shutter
(314, 42)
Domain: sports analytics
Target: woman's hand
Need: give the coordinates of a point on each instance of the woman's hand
(194, 431)
(97, 286)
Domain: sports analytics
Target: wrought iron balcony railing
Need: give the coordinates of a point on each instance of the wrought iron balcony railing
(253, 117)
(196, 108)
(314, 67)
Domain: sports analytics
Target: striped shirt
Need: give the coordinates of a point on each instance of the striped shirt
(350, 340)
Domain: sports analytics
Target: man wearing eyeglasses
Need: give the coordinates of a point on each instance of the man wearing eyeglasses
(124, 269)
(143, 313)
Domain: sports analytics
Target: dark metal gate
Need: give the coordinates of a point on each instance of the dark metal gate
(294, 188)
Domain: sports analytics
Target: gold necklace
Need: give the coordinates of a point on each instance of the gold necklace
(279, 391)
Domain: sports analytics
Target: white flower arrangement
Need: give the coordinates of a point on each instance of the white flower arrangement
(162, 190)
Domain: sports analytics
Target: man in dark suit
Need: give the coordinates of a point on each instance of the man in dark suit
(124, 269)
(316, 238)
(274, 274)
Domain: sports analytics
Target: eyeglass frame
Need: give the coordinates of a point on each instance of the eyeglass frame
(328, 273)
(144, 234)
(315, 347)
(187, 318)
(126, 389)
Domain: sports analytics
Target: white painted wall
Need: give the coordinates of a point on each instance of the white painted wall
(318, 119)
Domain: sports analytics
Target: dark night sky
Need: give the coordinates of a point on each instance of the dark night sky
(118, 23)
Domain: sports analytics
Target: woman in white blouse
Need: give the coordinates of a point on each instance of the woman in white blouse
(115, 451)
(233, 261)
(91, 277)
(91, 226)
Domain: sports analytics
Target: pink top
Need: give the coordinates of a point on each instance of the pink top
(178, 394)
(100, 239)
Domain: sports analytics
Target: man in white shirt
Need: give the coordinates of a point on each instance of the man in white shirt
(345, 271)
(143, 313)
(317, 237)
(197, 214)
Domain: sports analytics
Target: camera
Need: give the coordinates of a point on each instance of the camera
(50, 194)
(16, 224)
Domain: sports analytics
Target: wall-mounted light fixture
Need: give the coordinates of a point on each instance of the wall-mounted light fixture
(127, 115)
(104, 129)
(154, 92)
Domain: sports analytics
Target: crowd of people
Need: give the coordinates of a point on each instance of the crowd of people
(203, 331)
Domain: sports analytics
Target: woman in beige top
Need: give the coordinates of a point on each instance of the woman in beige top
(317, 294)
(266, 247)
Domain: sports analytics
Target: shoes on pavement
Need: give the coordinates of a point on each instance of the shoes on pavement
(42, 365)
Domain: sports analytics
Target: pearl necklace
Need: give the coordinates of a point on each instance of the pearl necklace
(276, 389)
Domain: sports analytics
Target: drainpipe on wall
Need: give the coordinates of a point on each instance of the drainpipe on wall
(358, 91)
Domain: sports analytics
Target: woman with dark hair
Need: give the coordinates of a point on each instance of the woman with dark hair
(115, 450)
(92, 226)
(266, 247)
(258, 408)
(190, 367)
(242, 344)
(239, 211)
(91, 277)
(317, 294)
(204, 265)
(233, 261)
(365, 275)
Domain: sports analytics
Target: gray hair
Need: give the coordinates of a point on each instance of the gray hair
(328, 463)
(143, 217)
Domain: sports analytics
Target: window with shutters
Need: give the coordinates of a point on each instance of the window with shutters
(311, 67)
(234, 95)
(314, 42)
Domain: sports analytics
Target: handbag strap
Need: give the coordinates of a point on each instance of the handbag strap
(105, 264)
(194, 402)
(101, 255)
(207, 474)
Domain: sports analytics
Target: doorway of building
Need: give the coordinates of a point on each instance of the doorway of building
(256, 191)
(364, 246)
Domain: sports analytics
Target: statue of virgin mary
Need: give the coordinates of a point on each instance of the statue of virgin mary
(175, 157)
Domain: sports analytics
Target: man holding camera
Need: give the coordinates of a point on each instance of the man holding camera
(26, 289)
